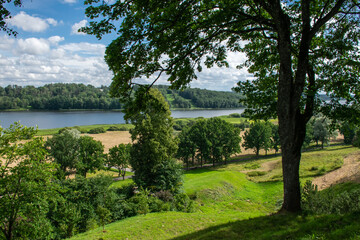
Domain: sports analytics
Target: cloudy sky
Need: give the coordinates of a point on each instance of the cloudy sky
(49, 49)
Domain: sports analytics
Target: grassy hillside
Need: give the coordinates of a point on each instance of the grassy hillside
(233, 205)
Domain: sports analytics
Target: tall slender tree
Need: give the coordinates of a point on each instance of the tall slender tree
(153, 143)
(295, 49)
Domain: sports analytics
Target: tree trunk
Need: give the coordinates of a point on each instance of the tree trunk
(290, 167)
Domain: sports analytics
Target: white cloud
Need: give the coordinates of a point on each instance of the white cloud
(38, 61)
(29, 23)
(69, 1)
(6, 42)
(52, 21)
(33, 46)
(54, 40)
(77, 26)
(85, 48)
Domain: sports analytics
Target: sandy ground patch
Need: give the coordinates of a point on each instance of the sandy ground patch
(113, 138)
(349, 172)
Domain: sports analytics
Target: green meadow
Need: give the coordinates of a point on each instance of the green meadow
(233, 204)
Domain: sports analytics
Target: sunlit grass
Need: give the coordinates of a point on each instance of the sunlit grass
(232, 205)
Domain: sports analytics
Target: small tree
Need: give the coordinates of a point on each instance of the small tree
(26, 185)
(186, 148)
(118, 158)
(64, 148)
(320, 131)
(275, 137)
(224, 139)
(153, 141)
(258, 137)
(91, 155)
(348, 130)
(104, 216)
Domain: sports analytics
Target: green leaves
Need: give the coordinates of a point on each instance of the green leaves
(26, 185)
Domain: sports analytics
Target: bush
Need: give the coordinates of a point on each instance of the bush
(115, 128)
(235, 115)
(164, 195)
(256, 173)
(330, 201)
(183, 203)
(97, 130)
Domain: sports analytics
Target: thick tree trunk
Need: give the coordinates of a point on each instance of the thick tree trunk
(291, 122)
(290, 167)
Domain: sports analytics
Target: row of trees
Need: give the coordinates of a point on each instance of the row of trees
(208, 141)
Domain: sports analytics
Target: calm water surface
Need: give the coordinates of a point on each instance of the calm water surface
(46, 120)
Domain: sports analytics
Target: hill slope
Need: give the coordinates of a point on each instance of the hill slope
(230, 206)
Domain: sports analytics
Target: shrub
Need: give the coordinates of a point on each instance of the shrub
(235, 115)
(164, 195)
(113, 128)
(256, 173)
(97, 130)
(329, 201)
(183, 203)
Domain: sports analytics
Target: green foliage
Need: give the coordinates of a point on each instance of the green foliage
(289, 69)
(116, 128)
(6, 14)
(154, 144)
(119, 157)
(64, 96)
(331, 201)
(74, 152)
(91, 155)
(87, 194)
(258, 137)
(103, 215)
(97, 130)
(348, 130)
(213, 140)
(26, 185)
(59, 96)
(321, 131)
(64, 148)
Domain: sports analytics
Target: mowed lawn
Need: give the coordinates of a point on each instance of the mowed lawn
(230, 204)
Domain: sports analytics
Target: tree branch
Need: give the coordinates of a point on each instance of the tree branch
(326, 18)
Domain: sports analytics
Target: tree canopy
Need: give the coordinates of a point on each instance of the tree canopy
(6, 14)
(295, 49)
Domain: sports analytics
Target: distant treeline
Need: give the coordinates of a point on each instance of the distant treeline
(200, 98)
(79, 96)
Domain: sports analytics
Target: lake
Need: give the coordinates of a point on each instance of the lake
(46, 120)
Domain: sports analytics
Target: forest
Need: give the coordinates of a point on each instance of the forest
(64, 96)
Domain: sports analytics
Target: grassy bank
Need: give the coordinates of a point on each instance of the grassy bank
(230, 204)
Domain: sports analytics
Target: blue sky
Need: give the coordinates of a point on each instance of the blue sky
(48, 49)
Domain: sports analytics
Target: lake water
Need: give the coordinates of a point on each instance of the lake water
(46, 120)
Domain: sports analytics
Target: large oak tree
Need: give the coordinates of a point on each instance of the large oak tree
(295, 49)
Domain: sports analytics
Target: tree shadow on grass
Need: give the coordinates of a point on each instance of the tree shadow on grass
(284, 227)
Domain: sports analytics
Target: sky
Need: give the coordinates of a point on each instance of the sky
(49, 49)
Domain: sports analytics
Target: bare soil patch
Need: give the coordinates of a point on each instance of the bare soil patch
(349, 172)
(113, 138)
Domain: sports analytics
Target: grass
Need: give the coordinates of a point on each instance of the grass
(313, 163)
(85, 128)
(232, 205)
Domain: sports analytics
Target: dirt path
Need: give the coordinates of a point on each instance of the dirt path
(350, 171)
